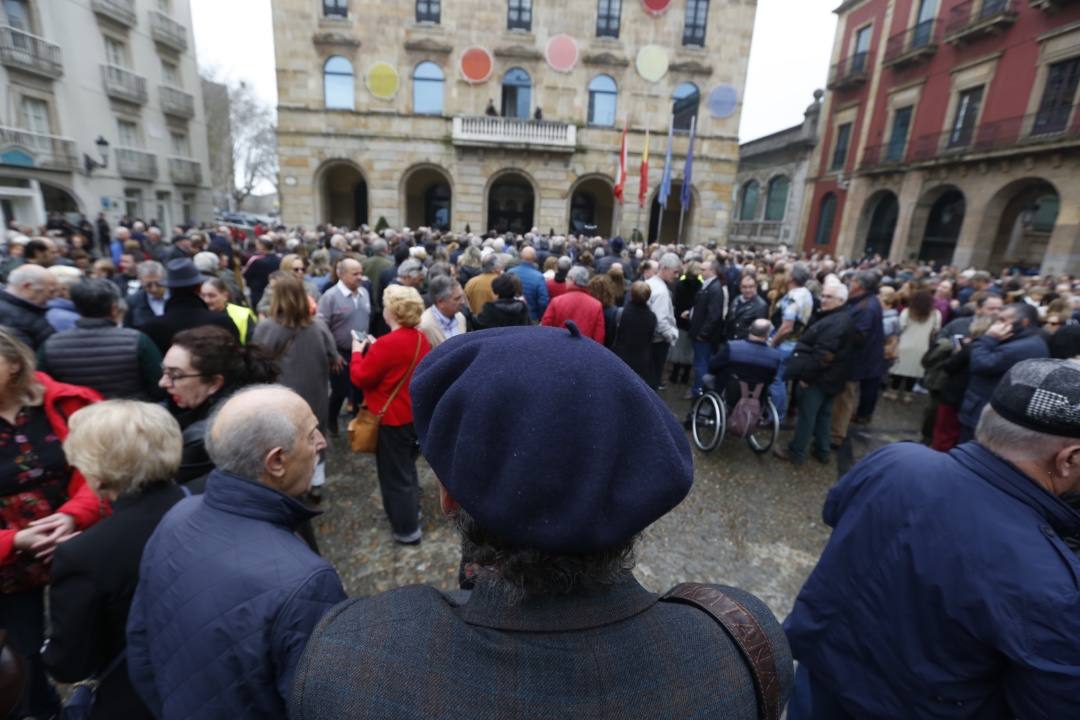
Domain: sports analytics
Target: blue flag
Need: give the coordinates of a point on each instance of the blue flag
(688, 174)
(665, 179)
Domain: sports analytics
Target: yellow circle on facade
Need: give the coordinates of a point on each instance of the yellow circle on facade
(652, 62)
(382, 80)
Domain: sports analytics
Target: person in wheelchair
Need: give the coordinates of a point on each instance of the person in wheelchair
(751, 361)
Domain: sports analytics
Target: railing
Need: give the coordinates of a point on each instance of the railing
(913, 44)
(185, 172)
(850, 71)
(136, 164)
(176, 102)
(28, 149)
(167, 31)
(975, 17)
(122, 11)
(484, 130)
(122, 84)
(29, 52)
(758, 229)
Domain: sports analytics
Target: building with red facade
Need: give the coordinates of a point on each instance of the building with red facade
(950, 133)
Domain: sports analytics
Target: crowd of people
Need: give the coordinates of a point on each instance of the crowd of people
(165, 406)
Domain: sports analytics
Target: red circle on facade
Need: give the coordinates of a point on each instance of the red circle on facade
(562, 53)
(656, 7)
(477, 64)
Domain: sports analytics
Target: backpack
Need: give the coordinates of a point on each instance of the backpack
(746, 415)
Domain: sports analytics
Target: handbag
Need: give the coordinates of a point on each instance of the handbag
(364, 428)
(80, 705)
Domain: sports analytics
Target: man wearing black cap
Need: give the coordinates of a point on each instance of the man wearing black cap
(949, 588)
(184, 309)
(557, 626)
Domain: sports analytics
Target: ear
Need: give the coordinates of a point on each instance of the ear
(1067, 463)
(274, 465)
(216, 383)
(448, 504)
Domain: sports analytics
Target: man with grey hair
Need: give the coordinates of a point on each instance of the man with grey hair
(23, 304)
(148, 302)
(962, 564)
(228, 594)
(667, 332)
(793, 315)
(443, 319)
(411, 274)
(578, 305)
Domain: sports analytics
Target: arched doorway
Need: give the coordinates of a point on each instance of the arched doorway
(511, 204)
(427, 198)
(592, 207)
(1022, 216)
(344, 195)
(878, 225)
(664, 226)
(58, 199)
(943, 225)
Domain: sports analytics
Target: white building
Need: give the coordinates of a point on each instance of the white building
(101, 111)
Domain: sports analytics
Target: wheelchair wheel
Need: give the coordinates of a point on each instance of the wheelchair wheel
(708, 420)
(762, 437)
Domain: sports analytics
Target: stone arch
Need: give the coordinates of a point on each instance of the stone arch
(601, 188)
(58, 197)
(932, 206)
(426, 191)
(878, 221)
(342, 193)
(511, 211)
(1017, 224)
(669, 229)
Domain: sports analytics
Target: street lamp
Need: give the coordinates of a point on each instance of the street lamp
(90, 164)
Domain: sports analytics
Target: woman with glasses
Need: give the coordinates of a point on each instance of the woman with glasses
(293, 266)
(202, 367)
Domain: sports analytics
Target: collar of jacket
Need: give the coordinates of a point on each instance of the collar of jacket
(84, 322)
(240, 496)
(16, 300)
(1008, 479)
(151, 490)
(488, 607)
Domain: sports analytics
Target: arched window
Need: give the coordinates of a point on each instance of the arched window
(516, 93)
(826, 218)
(776, 202)
(687, 97)
(338, 88)
(602, 96)
(428, 89)
(748, 205)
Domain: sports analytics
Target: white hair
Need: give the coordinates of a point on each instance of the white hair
(206, 262)
(1008, 440)
(242, 451)
(579, 276)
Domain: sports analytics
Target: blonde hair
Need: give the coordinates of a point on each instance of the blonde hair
(288, 260)
(404, 303)
(24, 384)
(124, 445)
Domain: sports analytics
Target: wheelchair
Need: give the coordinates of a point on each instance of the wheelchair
(709, 413)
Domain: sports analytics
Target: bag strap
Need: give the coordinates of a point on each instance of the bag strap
(741, 625)
(404, 377)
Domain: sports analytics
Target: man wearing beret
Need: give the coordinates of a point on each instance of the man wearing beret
(557, 626)
(949, 588)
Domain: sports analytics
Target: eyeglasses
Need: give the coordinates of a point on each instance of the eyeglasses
(174, 375)
(298, 271)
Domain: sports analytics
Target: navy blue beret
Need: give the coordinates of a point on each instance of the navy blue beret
(547, 439)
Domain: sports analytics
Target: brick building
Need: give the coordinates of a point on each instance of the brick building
(384, 110)
(950, 133)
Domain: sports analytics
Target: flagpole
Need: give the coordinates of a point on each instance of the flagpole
(665, 178)
(682, 205)
(641, 202)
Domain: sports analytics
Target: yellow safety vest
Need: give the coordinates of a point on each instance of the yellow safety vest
(241, 317)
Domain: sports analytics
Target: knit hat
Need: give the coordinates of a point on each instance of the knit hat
(547, 439)
(1041, 395)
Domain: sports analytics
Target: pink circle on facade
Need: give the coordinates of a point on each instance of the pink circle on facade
(477, 64)
(656, 7)
(562, 53)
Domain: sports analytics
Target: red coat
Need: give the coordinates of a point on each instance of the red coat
(555, 289)
(378, 372)
(61, 401)
(581, 307)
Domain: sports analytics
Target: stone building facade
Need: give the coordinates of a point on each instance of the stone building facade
(101, 111)
(771, 183)
(423, 113)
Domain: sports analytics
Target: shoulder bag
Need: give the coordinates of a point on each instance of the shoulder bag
(742, 627)
(364, 428)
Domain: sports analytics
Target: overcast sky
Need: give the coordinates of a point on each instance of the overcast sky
(790, 56)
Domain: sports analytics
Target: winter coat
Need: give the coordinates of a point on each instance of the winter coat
(226, 600)
(947, 590)
(184, 311)
(682, 299)
(534, 288)
(139, 313)
(61, 314)
(24, 319)
(990, 360)
(823, 354)
(503, 313)
(380, 370)
(305, 355)
(582, 308)
(868, 361)
(634, 329)
(708, 313)
(742, 315)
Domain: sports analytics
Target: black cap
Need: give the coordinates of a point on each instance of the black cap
(1041, 395)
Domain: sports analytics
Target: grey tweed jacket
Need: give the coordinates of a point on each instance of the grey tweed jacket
(416, 653)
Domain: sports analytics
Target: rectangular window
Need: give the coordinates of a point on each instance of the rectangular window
(18, 15)
(128, 133)
(840, 150)
(697, 20)
(35, 116)
(116, 52)
(335, 8)
(133, 202)
(180, 145)
(992, 7)
(967, 114)
(187, 207)
(608, 15)
(170, 73)
(1057, 100)
(165, 6)
(861, 52)
(163, 211)
(428, 11)
(901, 124)
(924, 24)
(519, 15)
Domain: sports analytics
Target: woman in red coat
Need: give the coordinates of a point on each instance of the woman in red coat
(43, 502)
(383, 370)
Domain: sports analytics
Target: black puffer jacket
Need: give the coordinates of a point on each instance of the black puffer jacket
(824, 353)
(24, 319)
(503, 313)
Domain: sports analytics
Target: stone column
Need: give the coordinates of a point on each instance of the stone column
(1063, 252)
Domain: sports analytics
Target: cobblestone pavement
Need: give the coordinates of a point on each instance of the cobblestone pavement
(749, 521)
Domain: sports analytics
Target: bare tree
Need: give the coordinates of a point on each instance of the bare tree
(254, 142)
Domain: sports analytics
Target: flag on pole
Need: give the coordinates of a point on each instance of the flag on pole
(688, 173)
(665, 179)
(643, 187)
(620, 175)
